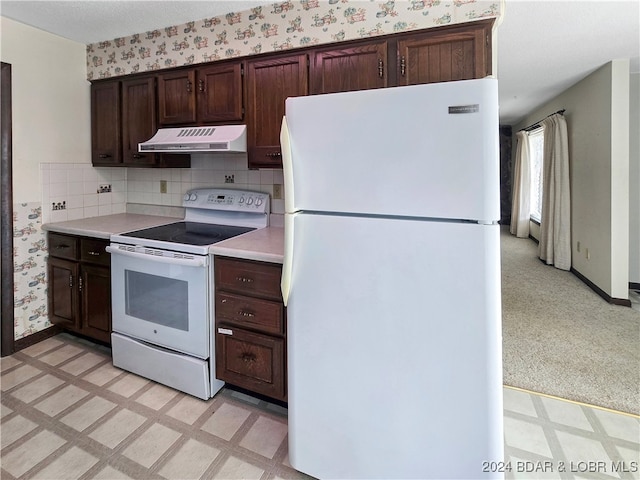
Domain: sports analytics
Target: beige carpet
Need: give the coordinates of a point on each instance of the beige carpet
(561, 339)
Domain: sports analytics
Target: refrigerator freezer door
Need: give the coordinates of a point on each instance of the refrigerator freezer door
(422, 150)
(394, 348)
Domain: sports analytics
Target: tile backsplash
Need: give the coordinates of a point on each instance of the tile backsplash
(72, 191)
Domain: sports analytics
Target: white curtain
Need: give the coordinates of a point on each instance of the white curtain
(520, 211)
(555, 226)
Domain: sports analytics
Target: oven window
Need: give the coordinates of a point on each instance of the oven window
(160, 300)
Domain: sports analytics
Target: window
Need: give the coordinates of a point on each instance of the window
(536, 146)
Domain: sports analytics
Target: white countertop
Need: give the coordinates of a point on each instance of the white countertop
(104, 226)
(265, 245)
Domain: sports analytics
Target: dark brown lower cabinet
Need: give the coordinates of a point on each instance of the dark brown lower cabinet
(79, 285)
(250, 324)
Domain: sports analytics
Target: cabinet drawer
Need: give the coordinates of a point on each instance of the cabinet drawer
(92, 250)
(252, 313)
(248, 277)
(63, 246)
(251, 361)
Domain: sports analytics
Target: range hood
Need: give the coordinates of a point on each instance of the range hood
(223, 138)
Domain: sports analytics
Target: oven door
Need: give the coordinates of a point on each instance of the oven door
(161, 299)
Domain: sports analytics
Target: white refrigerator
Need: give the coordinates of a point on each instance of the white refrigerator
(391, 279)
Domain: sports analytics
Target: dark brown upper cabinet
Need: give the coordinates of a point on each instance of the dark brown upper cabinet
(138, 120)
(461, 52)
(219, 96)
(360, 67)
(106, 128)
(269, 83)
(202, 95)
(177, 97)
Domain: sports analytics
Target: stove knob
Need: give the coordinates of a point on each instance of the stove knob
(258, 202)
(241, 201)
(193, 197)
(250, 201)
(186, 197)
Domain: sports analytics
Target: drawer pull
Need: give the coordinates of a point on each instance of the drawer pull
(62, 246)
(247, 357)
(242, 313)
(225, 331)
(95, 254)
(244, 279)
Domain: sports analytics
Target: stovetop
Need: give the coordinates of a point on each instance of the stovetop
(189, 233)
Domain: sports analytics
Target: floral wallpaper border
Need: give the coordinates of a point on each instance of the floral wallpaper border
(273, 27)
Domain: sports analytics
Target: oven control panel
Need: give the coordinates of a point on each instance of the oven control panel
(227, 199)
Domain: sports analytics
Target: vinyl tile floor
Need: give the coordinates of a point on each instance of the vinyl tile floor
(67, 413)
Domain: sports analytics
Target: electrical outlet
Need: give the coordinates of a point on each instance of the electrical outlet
(163, 186)
(59, 206)
(104, 188)
(229, 179)
(277, 191)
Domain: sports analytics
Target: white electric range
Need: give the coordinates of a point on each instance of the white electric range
(162, 289)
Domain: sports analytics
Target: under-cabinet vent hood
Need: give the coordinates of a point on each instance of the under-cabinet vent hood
(224, 138)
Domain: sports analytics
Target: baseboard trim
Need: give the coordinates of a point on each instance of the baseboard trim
(34, 338)
(625, 302)
(634, 286)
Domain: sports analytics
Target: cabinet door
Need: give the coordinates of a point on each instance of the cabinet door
(95, 293)
(219, 95)
(359, 67)
(459, 53)
(269, 83)
(138, 119)
(177, 97)
(105, 123)
(252, 361)
(63, 292)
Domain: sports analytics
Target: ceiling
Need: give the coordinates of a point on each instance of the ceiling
(543, 47)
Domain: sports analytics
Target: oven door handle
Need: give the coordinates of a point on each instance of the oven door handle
(186, 262)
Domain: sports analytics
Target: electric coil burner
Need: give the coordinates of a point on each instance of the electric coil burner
(162, 287)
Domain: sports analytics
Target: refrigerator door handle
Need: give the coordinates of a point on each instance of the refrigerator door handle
(287, 166)
(287, 263)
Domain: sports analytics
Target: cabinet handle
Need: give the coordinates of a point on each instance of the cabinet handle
(247, 357)
(137, 156)
(201, 86)
(95, 254)
(70, 281)
(273, 154)
(380, 68)
(80, 284)
(403, 66)
(242, 313)
(189, 86)
(244, 279)
(104, 155)
(62, 246)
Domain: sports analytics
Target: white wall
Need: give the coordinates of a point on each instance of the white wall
(634, 178)
(597, 116)
(50, 103)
